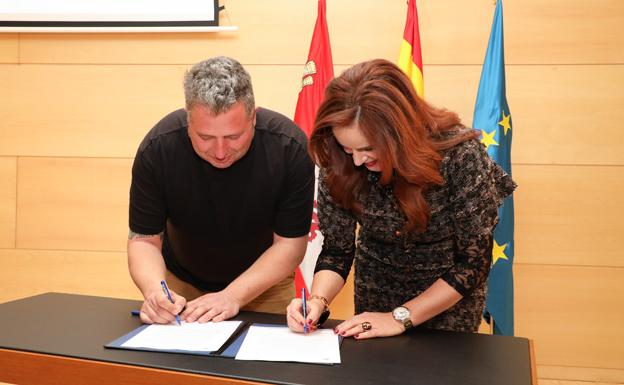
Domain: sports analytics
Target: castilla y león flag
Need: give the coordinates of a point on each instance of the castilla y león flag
(317, 72)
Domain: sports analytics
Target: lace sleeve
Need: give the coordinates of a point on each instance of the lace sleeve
(338, 228)
(477, 188)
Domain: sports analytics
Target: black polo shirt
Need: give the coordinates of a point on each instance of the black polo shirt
(217, 222)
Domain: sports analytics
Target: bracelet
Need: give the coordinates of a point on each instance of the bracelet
(324, 316)
(322, 299)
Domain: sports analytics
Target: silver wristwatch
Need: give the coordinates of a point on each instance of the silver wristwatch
(402, 314)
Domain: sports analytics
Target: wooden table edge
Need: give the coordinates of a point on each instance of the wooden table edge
(533, 364)
(23, 367)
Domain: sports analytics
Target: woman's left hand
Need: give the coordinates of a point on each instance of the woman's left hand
(378, 325)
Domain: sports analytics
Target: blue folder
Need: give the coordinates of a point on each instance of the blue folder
(225, 351)
(229, 349)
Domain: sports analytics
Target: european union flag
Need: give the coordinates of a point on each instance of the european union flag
(493, 118)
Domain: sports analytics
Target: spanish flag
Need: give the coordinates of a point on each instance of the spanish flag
(410, 57)
(317, 72)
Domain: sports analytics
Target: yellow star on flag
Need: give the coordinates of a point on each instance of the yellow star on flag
(505, 122)
(498, 252)
(488, 139)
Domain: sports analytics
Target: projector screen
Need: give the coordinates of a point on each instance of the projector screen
(108, 13)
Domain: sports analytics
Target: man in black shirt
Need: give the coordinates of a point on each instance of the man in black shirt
(220, 202)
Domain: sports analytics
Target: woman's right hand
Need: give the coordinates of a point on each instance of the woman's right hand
(294, 314)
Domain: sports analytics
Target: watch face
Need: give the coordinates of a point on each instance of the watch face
(400, 313)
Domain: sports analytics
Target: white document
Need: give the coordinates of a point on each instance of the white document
(192, 337)
(278, 343)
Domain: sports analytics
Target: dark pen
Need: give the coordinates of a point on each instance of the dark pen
(166, 290)
(305, 310)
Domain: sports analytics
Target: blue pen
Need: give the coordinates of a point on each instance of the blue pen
(305, 310)
(166, 290)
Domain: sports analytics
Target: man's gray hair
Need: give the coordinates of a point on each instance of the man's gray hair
(218, 83)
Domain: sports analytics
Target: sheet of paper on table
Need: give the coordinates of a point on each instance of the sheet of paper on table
(278, 343)
(194, 337)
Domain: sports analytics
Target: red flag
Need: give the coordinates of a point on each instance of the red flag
(317, 72)
(410, 57)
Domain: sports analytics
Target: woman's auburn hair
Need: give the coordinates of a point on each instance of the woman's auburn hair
(407, 134)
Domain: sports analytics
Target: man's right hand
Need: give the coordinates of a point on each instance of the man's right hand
(157, 309)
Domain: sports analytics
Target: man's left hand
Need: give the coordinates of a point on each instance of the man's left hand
(214, 307)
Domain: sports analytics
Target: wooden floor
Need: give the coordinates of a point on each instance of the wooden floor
(568, 382)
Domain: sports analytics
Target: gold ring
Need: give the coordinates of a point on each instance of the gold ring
(366, 326)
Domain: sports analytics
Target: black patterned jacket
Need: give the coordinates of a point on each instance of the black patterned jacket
(392, 266)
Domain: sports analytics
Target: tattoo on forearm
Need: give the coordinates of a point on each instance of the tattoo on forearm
(133, 235)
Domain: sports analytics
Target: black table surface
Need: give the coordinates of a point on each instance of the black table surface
(78, 326)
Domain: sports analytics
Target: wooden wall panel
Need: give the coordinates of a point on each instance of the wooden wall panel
(454, 88)
(561, 114)
(569, 215)
(536, 32)
(9, 48)
(8, 176)
(563, 31)
(567, 114)
(30, 272)
(105, 111)
(99, 111)
(276, 87)
(573, 314)
(262, 38)
(278, 32)
(123, 102)
(73, 203)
